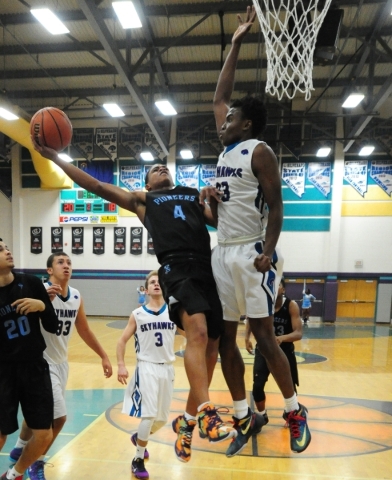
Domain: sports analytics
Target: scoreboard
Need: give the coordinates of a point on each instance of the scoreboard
(83, 202)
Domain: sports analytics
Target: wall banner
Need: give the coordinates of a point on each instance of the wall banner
(131, 177)
(119, 240)
(188, 175)
(36, 240)
(106, 140)
(57, 239)
(293, 174)
(83, 142)
(136, 240)
(355, 173)
(319, 173)
(98, 240)
(77, 240)
(131, 140)
(150, 244)
(381, 173)
(208, 175)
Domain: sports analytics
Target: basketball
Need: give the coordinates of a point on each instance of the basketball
(53, 126)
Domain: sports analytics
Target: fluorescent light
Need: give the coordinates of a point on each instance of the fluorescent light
(113, 109)
(65, 157)
(49, 20)
(165, 107)
(127, 14)
(186, 154)
(323, 152)
(147, 156)
(353, 100)
(7, 115)
(365, 151)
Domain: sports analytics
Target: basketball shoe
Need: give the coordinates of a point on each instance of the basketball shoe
(184, 430)
(138, 468)
(4, 477)
(36, 470)
(134, 441)
(299, 432)
(246, 427)
(212, 427)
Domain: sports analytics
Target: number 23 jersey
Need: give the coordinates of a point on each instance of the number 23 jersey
(66, 310)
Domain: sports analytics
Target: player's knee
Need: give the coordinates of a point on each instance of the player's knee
(44, 437)
(258, 390)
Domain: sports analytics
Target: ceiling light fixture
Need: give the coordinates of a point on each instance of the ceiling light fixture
(323, 152)
(165, 107)
(147, 156)
(7, 115)
(113, 109)
(353, 100)
(186, 154)
(366, 151)
(127, 14)
(49, 20)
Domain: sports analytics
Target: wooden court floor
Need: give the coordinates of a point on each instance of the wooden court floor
(345, 374)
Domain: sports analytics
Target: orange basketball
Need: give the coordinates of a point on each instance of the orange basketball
(53, 126)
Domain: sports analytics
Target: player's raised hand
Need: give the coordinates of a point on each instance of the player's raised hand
(207, 193)
(244, 26)
(46, 152)
(53, 290)
(28, 305)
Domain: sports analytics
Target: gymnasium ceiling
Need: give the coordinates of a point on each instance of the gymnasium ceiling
(178, 55)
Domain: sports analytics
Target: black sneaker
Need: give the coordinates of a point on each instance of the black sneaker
(299, 432)
(138, 468)
(246, 427)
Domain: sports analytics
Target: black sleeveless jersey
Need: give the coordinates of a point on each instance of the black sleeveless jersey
(282, 324)
(175, 221)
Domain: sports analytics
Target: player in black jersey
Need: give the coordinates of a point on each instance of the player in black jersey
(288, 329)
(24, 374)
(176, 222)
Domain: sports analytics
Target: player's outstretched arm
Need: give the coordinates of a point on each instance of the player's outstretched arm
(87, 335)
(130, 329)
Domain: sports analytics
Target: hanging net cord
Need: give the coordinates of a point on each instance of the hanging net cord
(290, 29)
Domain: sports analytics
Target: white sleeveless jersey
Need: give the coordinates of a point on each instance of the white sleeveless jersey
(154, 336)
(66, 311)
(243, 211)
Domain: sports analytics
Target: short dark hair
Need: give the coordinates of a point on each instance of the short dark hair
(49, 261)
(254, 109)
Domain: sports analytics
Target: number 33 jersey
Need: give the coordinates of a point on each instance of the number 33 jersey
(154, 336)
(66, 310)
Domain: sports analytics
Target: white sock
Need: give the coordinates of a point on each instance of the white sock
(291, 403)
(140, 451)
(240, 408)
(202, 405)
(188, 417)
(20, 443)
(12, 474)
(263, 412)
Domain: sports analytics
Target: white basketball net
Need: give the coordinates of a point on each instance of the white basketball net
(290, 29)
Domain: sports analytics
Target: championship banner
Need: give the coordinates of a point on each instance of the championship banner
(83, 142)
(293, 174)
(119, 240)
(57, 239)
(355, 173)
(131, 140)
(188, 175)
(208, 175)
(150, 244)
(106, 140)
(152, 144)
(381, 173)
(131, 177)
(98, 240)
(136, 240)
(77, 240)
(319, 173)
(36, 240)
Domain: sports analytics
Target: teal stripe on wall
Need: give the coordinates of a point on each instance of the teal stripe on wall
(306, 224)
(303, 209)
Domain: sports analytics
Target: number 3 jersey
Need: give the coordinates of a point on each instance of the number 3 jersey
(66, 310)
(154, 336)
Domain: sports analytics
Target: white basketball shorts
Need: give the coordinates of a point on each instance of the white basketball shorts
(59, 378)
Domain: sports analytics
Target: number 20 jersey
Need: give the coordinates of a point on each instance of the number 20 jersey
(66, 310)
(243, 211)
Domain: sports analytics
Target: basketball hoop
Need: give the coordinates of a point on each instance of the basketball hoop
(290, 29)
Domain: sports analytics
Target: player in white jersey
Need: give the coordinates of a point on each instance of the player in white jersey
(246, 263)
(149, 393)
(68, 305)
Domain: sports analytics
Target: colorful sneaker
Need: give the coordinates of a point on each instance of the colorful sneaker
(134, 441)
(299, 432)
(246, 427)
(138, 468)
(4, 477)
(285, 417)
(36, 470)
(15, 454)
(212, 427)
(184, 430)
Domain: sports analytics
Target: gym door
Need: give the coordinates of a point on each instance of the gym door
(356, 299)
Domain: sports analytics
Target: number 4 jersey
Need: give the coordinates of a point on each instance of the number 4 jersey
(66, 310)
